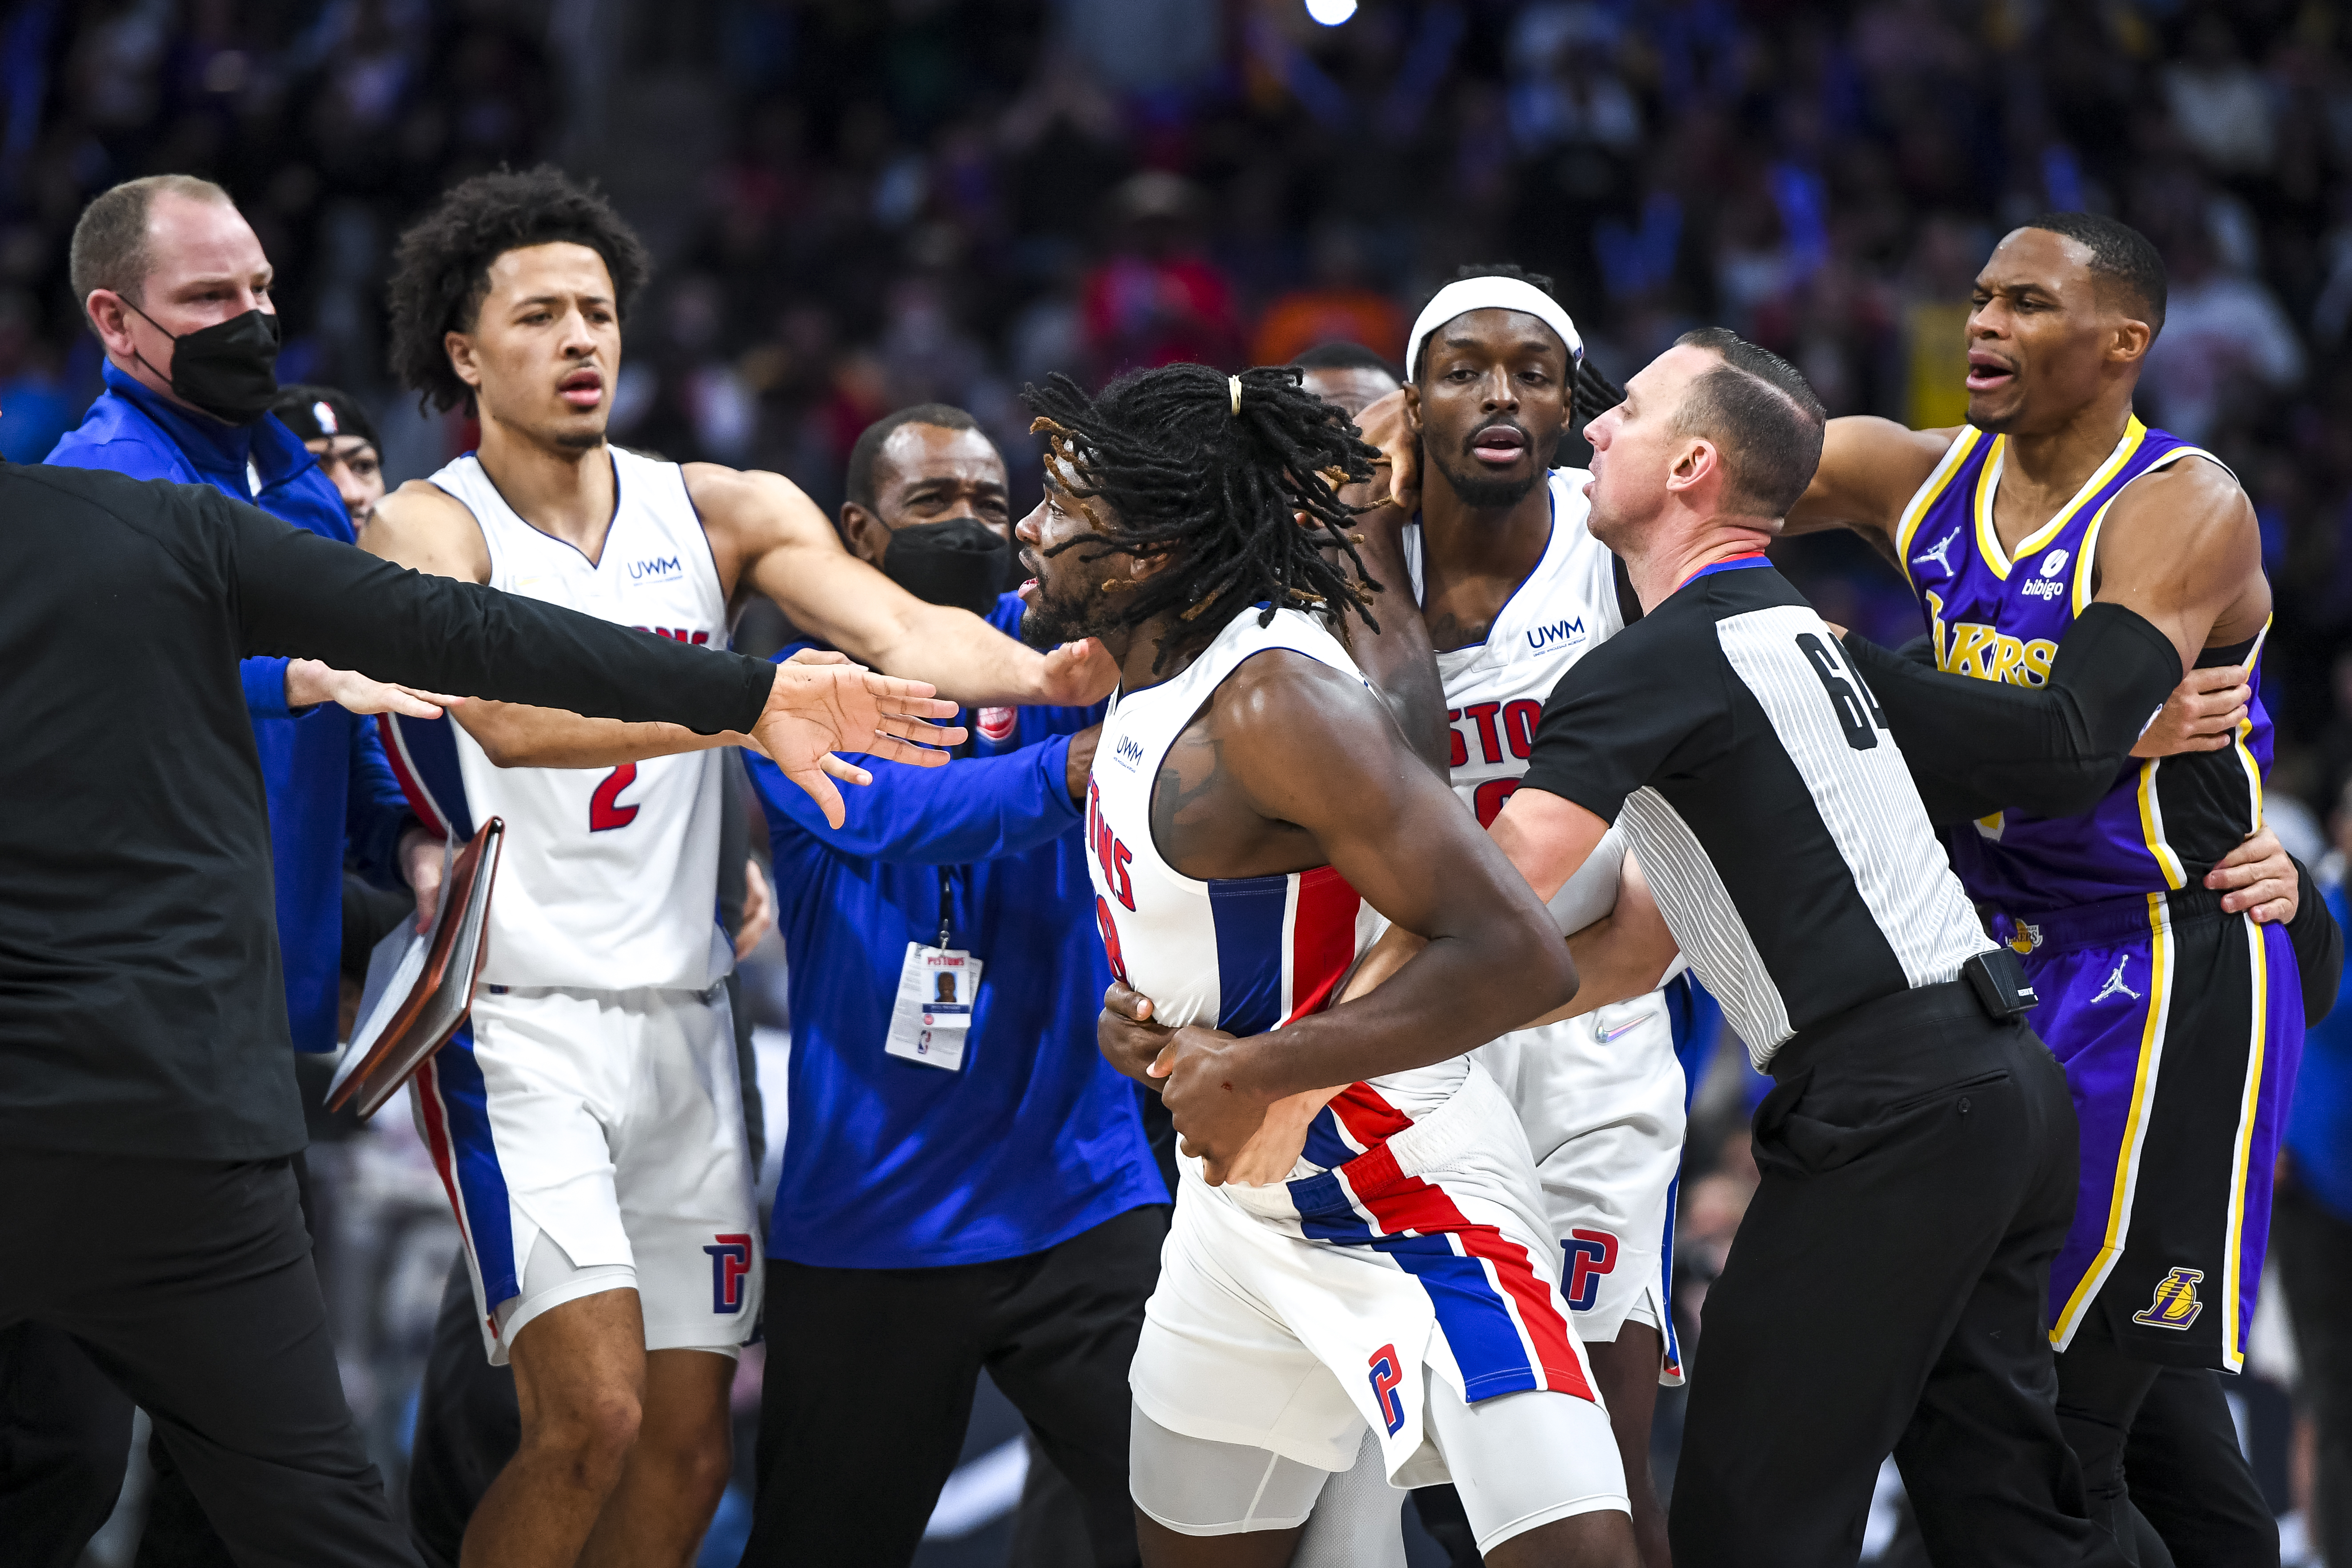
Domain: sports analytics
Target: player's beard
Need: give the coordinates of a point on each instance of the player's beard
(1483, 493)
(1052, 619)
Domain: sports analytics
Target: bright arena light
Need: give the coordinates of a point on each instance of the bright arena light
(1331, 12)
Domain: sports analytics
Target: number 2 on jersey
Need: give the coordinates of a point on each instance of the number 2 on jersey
(1857, 713)
(605, 807)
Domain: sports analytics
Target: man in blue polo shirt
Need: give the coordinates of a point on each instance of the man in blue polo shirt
(175, 285)
(961, 1189)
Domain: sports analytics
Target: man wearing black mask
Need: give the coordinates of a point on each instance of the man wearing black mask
(927, 505)
(175, 285)
(950, 1198)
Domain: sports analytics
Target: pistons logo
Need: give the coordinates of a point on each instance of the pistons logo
(1590, 1254)
(1386, 1372)
(730, 1259)
(996, 724)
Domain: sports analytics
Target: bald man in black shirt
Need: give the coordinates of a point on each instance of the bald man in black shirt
(146, 1117)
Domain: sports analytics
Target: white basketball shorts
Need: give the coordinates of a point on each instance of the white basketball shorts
(1601, 1098)
(594, 1140)
(1291, 1317)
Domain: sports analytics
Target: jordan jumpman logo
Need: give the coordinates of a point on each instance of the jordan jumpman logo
(2114, 985)
(1936, 554)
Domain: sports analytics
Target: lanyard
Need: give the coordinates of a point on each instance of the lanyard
(947, 892)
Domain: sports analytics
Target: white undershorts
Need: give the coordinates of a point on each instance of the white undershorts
(1601, 1098)
(594, 1140)
(1519, 1461)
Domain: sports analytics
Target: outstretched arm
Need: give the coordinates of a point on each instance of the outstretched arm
(780, 545)
(303, 596)
(1870, 468)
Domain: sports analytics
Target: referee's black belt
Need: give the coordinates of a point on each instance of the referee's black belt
(1991, 989)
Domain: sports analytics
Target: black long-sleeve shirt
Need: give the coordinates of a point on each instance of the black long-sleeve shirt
(142, 1010)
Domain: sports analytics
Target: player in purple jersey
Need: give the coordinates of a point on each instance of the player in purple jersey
(2081, 562)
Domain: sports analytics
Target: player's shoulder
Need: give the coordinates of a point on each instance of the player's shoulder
(420, 506)
(1287, 691)
(737, 501)
(2196, 479)
(423, 526)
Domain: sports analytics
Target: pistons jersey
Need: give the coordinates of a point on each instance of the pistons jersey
(1999, 614)
(609, 877)
(1244, 954)
(1495, 690)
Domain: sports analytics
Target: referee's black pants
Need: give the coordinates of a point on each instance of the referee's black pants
(188, 1286)
(1888, 1292)
(870, 1378)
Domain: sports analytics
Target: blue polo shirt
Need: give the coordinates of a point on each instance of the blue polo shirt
(2319, 1120)
(889, 1164)
(323, 770)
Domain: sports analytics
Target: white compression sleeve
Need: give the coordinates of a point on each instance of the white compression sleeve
(1591, 893)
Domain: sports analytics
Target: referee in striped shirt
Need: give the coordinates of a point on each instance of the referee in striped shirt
(1887, 1289)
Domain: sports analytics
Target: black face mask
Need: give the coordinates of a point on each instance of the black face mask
(229, 369)
(961, 562)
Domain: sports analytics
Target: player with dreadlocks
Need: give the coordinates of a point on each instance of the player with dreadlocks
(1513, 590)
(1254, 807)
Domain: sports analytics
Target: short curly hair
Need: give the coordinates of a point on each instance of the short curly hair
(441, 271)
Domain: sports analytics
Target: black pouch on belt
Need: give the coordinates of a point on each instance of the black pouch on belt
(2000, 983)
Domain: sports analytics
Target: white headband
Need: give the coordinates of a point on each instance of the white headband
(1490, 294)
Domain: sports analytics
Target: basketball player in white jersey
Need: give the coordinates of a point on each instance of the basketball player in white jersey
(587, 1125)
(1252, 811)
(1515, 590)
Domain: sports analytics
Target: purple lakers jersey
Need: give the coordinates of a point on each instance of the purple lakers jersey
(2166, 820)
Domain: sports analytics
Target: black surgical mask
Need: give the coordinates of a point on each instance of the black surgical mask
(229, 369)
(961, 562)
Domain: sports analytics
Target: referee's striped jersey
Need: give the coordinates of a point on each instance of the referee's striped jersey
(1772, 808)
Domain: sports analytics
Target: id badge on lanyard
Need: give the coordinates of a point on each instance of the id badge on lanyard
(931, 1020)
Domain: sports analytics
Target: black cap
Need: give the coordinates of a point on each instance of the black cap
(315, 413)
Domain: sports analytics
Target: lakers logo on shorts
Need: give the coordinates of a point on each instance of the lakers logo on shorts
(2026, 936)
(2175, 1304)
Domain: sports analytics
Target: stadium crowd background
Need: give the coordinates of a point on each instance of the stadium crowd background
(863, 204)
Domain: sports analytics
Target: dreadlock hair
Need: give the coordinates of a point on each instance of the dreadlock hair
(1212, 480)
(1589, 394)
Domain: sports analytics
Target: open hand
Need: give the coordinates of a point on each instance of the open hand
(2202, 715)
(2258, 877)
(817, 706)
(309, 683)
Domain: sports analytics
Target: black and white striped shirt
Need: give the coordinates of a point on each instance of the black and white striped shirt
(1771, 809)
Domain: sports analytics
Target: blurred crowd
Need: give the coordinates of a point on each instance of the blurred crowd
(863, 206)
(860, 204)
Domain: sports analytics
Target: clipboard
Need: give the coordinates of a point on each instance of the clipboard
(420, 985)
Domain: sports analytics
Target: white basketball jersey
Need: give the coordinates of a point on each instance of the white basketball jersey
(609, 879)
(1617, 1066)
(1495, 690)
(1243, 954)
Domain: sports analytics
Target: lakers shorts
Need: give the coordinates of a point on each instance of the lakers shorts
(2179, 1027)
(593, 1140)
